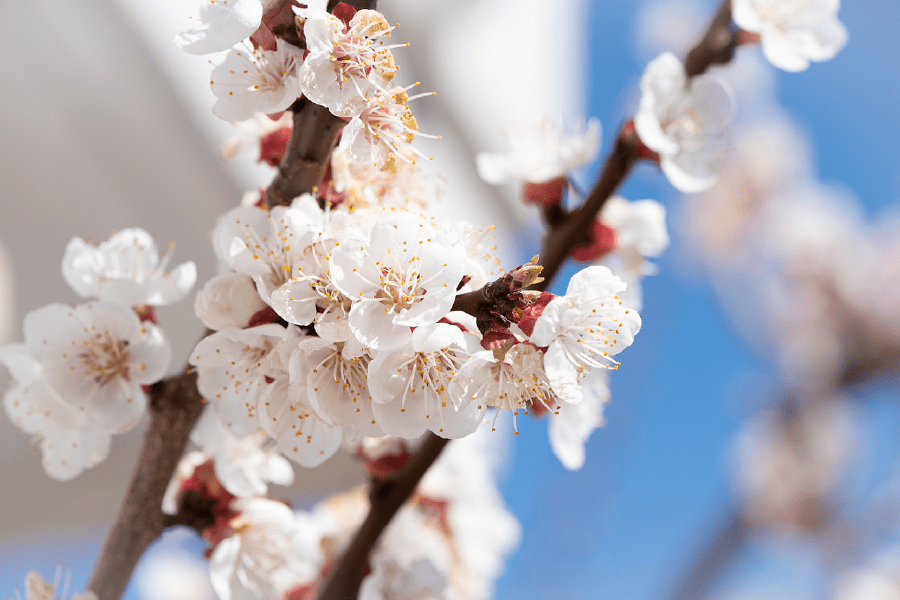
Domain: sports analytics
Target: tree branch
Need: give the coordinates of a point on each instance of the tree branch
(175, 406)
(315, 134)
(387, 496)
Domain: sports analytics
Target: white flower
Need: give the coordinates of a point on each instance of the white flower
(220, 25)
(405, 276)
(640, 228)
(537, 155)
(230, 374)
(344, 67)
(411, 386)
(36, 588)
(682, 121)
(311, 296)
(251, 81)
(228, 300)
(244, 465)
(334, 377)
(391, 581)
(69, 442)
(511, 379)
(399, 183)
(267, 245)
(793, 32)
(573, 424)
(384, 130)
(97, 357)
(126, 268)
(584, 329)
(272, 550)
(286, 414)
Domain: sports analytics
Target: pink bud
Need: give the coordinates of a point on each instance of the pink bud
(630, 136)
(273, 145)
(344, 12)
(548, 193)
(603, 241)
(263, 317)
(533, 309)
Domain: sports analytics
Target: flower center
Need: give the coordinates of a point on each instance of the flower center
(105, 359)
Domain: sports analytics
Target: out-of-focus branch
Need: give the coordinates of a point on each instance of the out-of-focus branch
(387, 496)
(724, 543)
(717, 45)
(175, 406)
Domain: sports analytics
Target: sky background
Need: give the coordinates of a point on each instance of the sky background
(654, 481)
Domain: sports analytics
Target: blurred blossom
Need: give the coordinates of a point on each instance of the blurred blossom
(793, 32)
(879, 580)
(174, 576)
(788, 466)
(764, 156)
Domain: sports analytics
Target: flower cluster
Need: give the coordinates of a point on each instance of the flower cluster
(79, 377)
(448, 542)
(338, 60)
(338, 324)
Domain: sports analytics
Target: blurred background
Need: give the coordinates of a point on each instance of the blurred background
(753, 434)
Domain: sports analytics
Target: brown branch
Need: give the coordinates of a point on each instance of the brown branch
(723, 545)
(175, 406)
(387, 496)
(717, 45)
(316, 132)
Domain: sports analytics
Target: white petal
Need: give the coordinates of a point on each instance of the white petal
(220, 26)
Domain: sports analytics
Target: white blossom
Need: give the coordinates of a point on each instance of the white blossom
(572, 424)
(228, 300)
(384, 130)
(793, 32)
(69, 443)
(97, 357)
(335, 379)
(272, 550)
(405, 276)
(345, 66)
(126, 268)
(391, 581)
(682, 121)
(251, 80)
(410, 385)
(244, 465)
(584, 329)
(37, 588)
(267, 245)
(507, 379)
(542, 153)
(220, 25)
(640, 228)
(286, 414)
(230, 373)
(310, 295)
